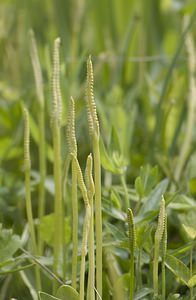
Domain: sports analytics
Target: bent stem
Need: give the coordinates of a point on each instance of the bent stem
(86, 225)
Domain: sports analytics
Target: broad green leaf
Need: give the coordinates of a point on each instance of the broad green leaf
(192, 281)
(115, 143)
(183, 203)
(47, 229)
(173, 296)
(9, 244)
(191, 231)
(178, 268)
(142, 293)
(66, 292)
(187, 218)
(183, 249)
(149, 178)
(106, 161)
(153, 200)
(192, 186)
(143, 233)
(45, 296)
(139, 187)
(121, 288)
(116, 201)
(113, 212)
(115, 231)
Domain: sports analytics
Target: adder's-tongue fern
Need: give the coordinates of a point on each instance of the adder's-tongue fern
(56, 132)
(93, 124)
(72, 147)
(27, 166)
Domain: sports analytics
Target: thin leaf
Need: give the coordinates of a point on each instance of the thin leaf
(45, 296)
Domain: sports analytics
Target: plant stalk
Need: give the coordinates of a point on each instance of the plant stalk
(58, 208)
(27, 165)
(98, 213)
(74, 225)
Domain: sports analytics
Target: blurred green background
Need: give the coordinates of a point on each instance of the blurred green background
(141, 87)
(140, 90)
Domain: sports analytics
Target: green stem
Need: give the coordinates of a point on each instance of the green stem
(31, 223)
(27, 164)
(42, 166)
(91, 275)
(191, 272)
(74, 225)
(132, 246)
(155, 267)
(84, 249)
(98, 213)
(58, 238)
(139, 277)
(164, 251)
(163, 278)
(123, 181)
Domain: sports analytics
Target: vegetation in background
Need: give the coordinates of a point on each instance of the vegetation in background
(133, 234)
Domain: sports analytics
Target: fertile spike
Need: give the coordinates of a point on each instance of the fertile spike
(91, 106)
(56, 99)
(161, 221)
(71, 137)
(27, 160)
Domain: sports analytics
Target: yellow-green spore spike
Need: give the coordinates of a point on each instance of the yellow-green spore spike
(56, 134)
(93, 124)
